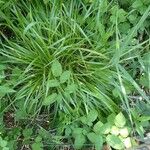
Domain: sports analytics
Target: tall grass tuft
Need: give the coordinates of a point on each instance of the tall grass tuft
(67, 59)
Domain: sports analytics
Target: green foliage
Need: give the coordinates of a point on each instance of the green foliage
(79, 141)
(27, 133)
(98, 133)
(97, 127)
(91, 117)
(3, 144)
(97, 140)
(114, 142)
(38, 144)
(53, 83)
(50, 99)
(65, 76)
(4, 89)
(68, 67)
(56, 68)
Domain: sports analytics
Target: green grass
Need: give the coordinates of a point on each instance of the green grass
(64, 59)
(38, 46)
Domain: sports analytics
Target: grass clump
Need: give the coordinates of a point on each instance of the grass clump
(63, 59)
